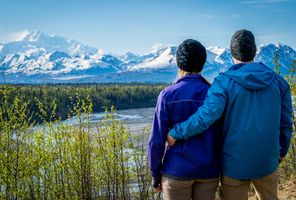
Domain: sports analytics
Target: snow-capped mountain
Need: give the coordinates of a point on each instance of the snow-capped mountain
(284, 54)
(37, 40)
(41, 58)
(130, 58)
(164, 59)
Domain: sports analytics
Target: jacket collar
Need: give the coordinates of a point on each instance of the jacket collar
(240, 65)
(190, 77)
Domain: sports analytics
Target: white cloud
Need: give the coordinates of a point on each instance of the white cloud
(157, 46)
(15, 36)
(101, 52)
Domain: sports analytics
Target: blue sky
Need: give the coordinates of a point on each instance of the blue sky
(135, 25)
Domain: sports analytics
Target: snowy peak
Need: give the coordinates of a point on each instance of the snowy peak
(164, 58)
(283, 53)
(216, 50)
(158, 47)
(49, 43)
(32, 36)
(130, 57)
(38, 36)
(275, 47)
(218, 54)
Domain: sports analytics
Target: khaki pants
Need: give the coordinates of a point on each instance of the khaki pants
(199, 189)
(234, 189)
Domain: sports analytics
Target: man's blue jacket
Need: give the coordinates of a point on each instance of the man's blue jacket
(255, 105)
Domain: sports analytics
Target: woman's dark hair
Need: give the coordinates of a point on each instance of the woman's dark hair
(191, 56)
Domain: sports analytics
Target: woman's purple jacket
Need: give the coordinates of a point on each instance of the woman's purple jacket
(195, 158)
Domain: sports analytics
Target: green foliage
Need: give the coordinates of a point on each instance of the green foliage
(61, 161)
(288, 166)
(40, 98)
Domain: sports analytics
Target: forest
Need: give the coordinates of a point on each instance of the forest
(121, 96)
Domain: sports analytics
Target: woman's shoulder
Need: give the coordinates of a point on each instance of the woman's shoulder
(167, 91)
(183, 90)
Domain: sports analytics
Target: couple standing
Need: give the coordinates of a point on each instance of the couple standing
(238, 129)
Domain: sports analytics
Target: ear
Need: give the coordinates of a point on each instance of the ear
(235, 61)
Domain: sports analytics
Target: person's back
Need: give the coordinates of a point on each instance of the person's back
(190, 169)
(252, 116)
(197, 157)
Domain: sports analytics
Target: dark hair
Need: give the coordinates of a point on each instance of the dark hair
(243, 46)
(191, 56)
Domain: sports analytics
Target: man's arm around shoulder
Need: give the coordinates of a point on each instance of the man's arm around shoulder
(206, 115)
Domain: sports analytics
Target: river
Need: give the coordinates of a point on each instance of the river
(135, 119)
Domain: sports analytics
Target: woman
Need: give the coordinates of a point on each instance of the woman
(189, 169)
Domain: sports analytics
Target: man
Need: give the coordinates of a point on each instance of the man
(255, 105)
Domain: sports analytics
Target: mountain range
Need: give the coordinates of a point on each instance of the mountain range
(40, 58)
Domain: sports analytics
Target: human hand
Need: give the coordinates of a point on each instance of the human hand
(171, 141)
(156, 183)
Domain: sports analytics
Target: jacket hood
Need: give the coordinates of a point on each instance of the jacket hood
(252, 76)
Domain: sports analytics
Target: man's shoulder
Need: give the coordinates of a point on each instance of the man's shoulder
(284, 85)
(222, 80)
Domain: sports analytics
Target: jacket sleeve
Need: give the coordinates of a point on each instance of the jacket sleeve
(156, 146)
(211, 110)
(286, 127)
